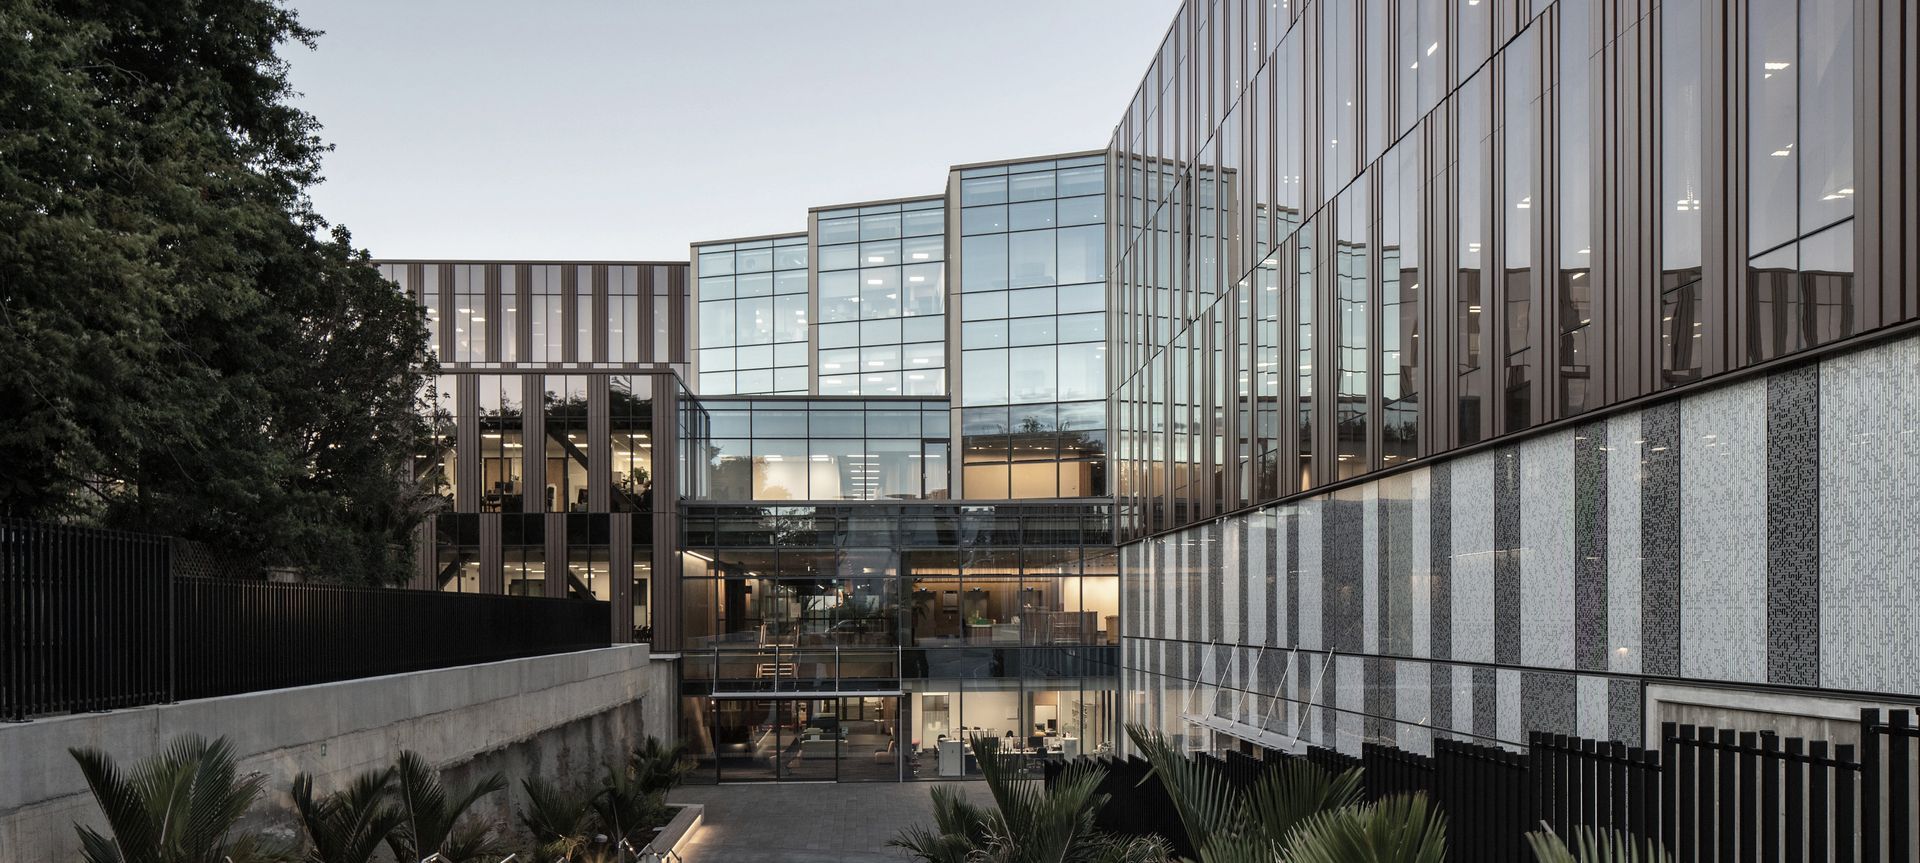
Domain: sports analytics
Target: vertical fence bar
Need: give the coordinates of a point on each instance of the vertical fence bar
(1818, 802)
(1899, 794)
(1770, 763)
(1704, 816)
(1676, 770)
(1616, 818)
(1846, 811)
(1726, 838)
(1746, 817)
(1796, 803)
(1870, 786)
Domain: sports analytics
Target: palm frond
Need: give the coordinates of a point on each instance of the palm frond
(1403, 828)
(1202, 796)
(1609, 846)
(1295, 791)
(350, 825)
(178, 806)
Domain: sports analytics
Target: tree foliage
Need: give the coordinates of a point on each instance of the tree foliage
(189, 348)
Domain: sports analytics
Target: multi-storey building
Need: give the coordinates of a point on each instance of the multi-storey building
(901, 533)
(1489, 367)
(1403, 369)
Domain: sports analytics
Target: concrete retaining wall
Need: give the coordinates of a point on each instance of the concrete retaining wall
(552, 716)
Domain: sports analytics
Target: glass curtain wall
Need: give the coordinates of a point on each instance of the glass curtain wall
(1032, 335)
(824, 449)
(882, 282)
(1446, 211)
(752, 311)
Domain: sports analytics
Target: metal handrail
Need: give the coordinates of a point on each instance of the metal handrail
(782, 656)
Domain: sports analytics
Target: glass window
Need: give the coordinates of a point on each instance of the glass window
(1035, 383)
(983, 220)
(1081, 298)
(923, 328)
(792, 256)
(1089, 180)
(1030, 215)
(754, 260)
(983, 190)
(716, 263)
(1826, 118)
(885, 252)
(1082, 211)
(983, 377)
(919, 249)
(983, 334)
(1030, 187)
(790, 318)
(845, 230)
(717, 323)
(924, 223)
(840, 335)
(1030, 259)
(880, 332)
(1772, 96)
(779, 469)
(983, 264)
(1082, 371)
(1033, 301)
(984, 306)
(1082, 254)
(839, 257)
(1083, 328)
(750, 285)
(926, 288)
(1031, 331)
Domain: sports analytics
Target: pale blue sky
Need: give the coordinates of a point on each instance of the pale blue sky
(622, 130)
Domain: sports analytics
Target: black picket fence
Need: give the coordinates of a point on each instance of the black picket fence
(97, 620)
(1707, 794)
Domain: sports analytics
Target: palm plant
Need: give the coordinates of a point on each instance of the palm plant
(1030, 822)
(624, 807)
(179, 806)
(658, 766)
(1609, 846)
(431, 815)
(562, 821)
(349, 825)
(1296, 812)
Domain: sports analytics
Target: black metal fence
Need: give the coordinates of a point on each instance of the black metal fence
(1707, 794)
(97, 620)
(84, 620)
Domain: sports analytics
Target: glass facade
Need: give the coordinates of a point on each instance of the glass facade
(823, 449)
(1450, 227)
(826, 640)
(1032, 332)
(912, 625)
(752, 313)
(881, 271)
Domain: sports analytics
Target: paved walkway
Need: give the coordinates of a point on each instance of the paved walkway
(811, 823)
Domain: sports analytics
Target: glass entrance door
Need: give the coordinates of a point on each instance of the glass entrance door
(746, 739)
(851, 738)
(814, 754)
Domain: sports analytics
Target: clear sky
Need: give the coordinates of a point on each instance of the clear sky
(626, 130)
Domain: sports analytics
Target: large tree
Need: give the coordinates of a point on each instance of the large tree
(185, 345)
